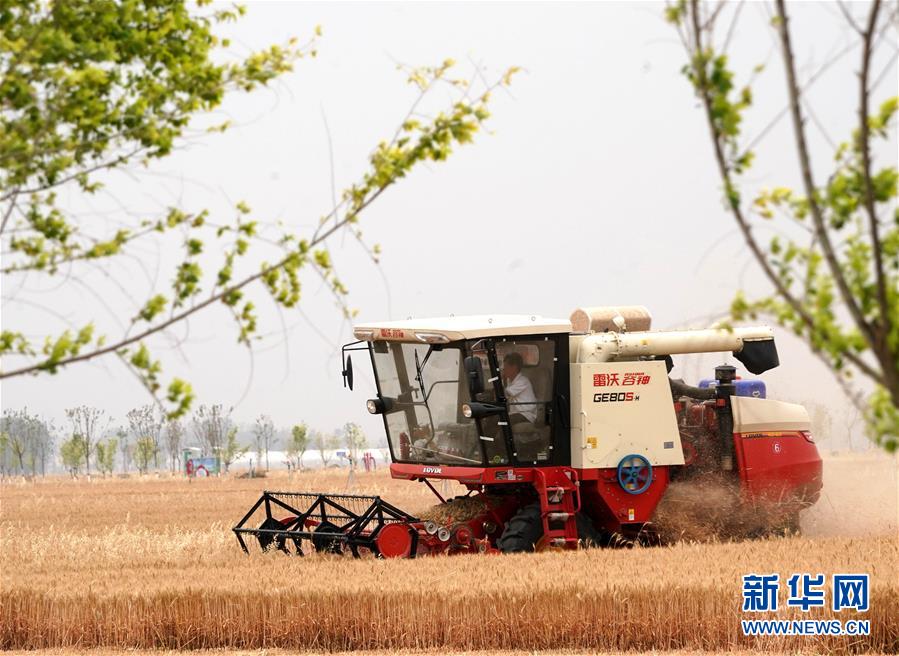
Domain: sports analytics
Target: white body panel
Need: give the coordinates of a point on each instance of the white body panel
(753, 415)
(600, 319)
(606, 427)
(603, 347)
(457, 328)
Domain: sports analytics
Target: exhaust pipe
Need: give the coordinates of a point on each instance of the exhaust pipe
(724, 390)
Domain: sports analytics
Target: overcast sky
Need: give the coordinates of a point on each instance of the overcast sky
(595, 185)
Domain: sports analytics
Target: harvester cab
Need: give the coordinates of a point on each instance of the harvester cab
(445, 395)
(565, 432)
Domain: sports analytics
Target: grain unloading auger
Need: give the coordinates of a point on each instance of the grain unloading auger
(565, 433)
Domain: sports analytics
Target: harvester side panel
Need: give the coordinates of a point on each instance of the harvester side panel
(774, 452)
(610, 506)
(779, 466)
(620, 409)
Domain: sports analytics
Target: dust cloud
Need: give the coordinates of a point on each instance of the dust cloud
(860, 498)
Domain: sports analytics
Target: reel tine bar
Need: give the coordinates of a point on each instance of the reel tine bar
(328, 521)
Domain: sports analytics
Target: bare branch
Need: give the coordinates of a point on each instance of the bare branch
(9, 210)
(805, 87)
(710, 21)
(743, 224)
(808, 181)
(106, 164)
(849, 17)
(732, 26)
(175, 318)
(882, 328)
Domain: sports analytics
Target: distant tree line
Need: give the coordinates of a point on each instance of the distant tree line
(93, 443)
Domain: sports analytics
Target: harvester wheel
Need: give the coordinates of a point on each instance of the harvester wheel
(526, 528)
(523, 531)
(326, 543)
(589, 536)
(267, 540)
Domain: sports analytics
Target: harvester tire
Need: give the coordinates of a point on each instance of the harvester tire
(326, 543)
(523, 532)
(526, 528)
(267, 540)
(587, 535)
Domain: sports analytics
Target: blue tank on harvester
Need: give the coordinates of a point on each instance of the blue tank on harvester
(745, 386)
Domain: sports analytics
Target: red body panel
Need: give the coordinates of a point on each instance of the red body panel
(782, 470)
(465, 475)
(607, 503)
(601, 496)
(780, 466)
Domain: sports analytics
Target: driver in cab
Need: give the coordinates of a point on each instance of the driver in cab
(519, 391)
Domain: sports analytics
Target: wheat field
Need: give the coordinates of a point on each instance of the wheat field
(151, 564)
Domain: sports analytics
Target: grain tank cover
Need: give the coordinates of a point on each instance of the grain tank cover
(603, 318)
(442, 330)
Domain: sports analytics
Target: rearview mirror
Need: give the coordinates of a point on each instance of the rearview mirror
(474, 373)
(348, 372)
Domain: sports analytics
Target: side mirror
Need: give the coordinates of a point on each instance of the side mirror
(348, 372)
(474, 373)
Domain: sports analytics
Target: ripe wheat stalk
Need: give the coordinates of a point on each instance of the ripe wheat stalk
(151, 563)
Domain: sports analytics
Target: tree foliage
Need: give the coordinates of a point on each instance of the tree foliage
(144, 453)
(147, 423)
(835, 266)
(174, 434)
(106, 452)
(263, 433)
(89, 87)
(354, 440)
(5, 459)
(231, 450)
(324, 443)
(73, 453)
(211, 425)
(297, 445)
(27, 442)
(126, 449)
(88, 423)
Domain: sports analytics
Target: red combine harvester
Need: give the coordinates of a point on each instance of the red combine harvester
(565, 433)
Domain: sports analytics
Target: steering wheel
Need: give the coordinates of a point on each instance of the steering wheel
(634, 474)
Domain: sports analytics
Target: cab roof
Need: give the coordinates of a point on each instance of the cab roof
(450, 329)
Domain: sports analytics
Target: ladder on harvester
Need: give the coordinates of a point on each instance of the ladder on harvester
(560, 499)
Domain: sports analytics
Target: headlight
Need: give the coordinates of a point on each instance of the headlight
(443, 534)
(379, 406)
(432, 338)
(475, 410)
